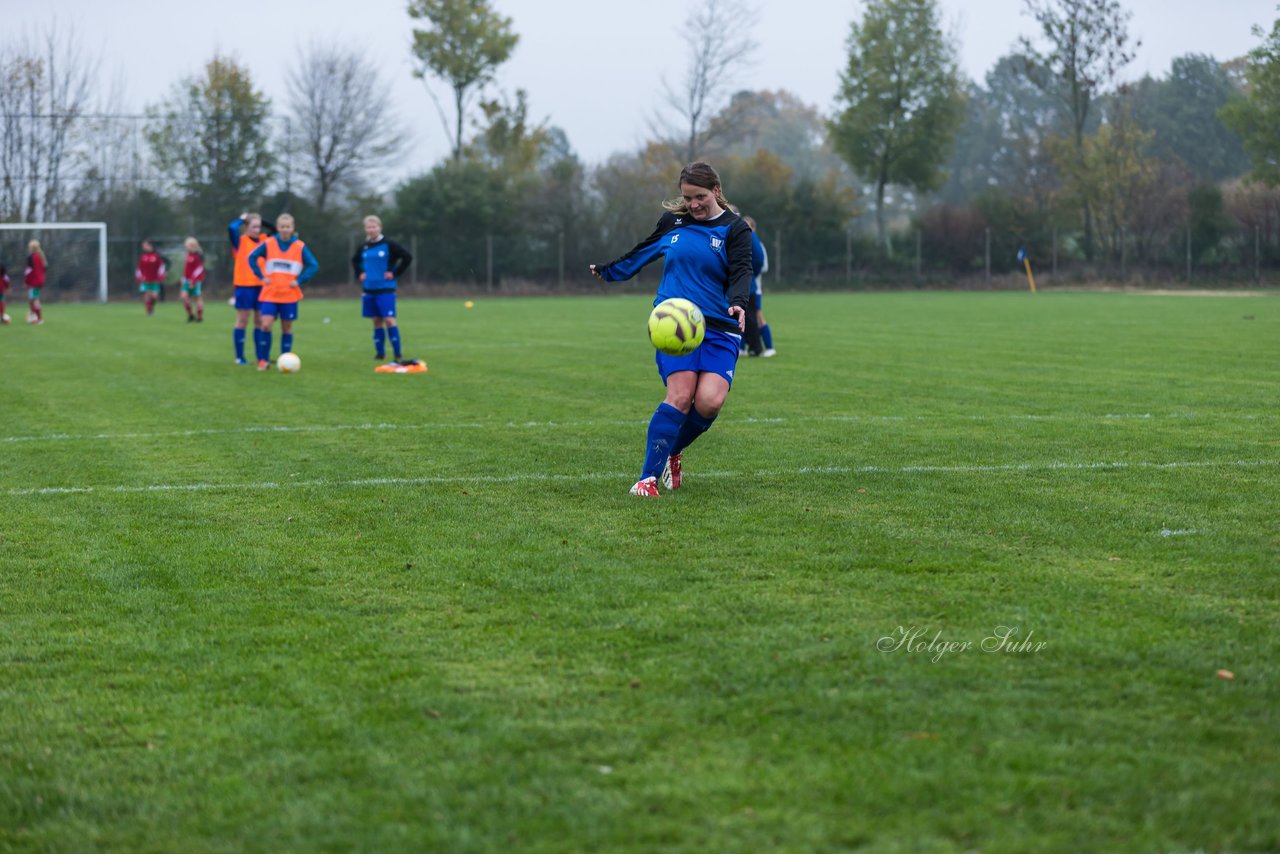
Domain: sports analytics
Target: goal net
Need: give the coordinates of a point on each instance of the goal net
(76, 254)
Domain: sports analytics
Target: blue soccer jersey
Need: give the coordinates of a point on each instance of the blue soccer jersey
(377, 258)
(705, 262)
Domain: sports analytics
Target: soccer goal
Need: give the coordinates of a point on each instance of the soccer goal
(71, 268)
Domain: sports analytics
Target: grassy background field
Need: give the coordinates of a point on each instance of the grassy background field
(340, 610)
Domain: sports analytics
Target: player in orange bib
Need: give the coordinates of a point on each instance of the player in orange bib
(246, 235)
(284, 264)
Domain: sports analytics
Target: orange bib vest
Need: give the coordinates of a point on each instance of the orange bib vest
(243, 276)
(281, 272)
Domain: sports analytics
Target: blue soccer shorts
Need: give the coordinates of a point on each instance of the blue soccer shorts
(247, 297)
(283, 310)
(378, 305)
(717, 354)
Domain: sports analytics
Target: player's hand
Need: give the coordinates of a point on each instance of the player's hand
(741, 314)
(596, 273)
(362, 277)
(387, 275)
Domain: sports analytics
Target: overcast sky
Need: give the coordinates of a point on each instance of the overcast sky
(592, 67)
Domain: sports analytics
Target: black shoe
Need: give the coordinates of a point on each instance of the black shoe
(378, 358)
(191, 318)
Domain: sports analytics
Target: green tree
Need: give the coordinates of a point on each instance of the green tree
(902, 99)
(1087, 45)
(211, 137)
(1000, 145)
(464, 46)
(1256, 118)
(453, 210)
(1208, 220)
(508, 139)
(1182, 110)
(1112, 176)
(777, 122)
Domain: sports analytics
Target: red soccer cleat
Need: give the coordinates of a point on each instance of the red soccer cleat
(671, 471)
(647, 488)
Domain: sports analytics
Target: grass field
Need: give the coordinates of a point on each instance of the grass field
(347, 611)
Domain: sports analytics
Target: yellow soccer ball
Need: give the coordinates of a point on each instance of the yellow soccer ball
(676, 327)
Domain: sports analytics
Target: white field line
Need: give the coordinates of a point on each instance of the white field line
(526, 425)
(536, 477)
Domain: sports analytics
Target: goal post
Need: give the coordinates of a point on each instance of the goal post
(99, 227)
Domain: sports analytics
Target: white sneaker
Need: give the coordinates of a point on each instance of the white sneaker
(770, 352)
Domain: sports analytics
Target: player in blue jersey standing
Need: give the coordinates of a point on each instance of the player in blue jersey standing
(759, 337)
(378, 263)
(706, 249)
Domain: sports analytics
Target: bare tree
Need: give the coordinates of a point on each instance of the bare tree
(718, 33)
(46, 86)
(343, 111)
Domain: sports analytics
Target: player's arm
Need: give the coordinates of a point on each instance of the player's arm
(759, 261)
(739, 254)
(233, 231)
(256, 257)
(645, 252)
(310, 266)
(357, 262)
(197, 275)
(399, 257)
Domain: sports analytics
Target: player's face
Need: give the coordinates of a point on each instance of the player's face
(701, 201)
(284, 227)
(255, 227)
(372, 230)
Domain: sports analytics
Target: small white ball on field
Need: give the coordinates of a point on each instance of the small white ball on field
(289, 363)
(326, 320)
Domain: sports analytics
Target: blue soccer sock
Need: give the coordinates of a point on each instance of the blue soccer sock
(264, 345)
(695, 424)
(286, 342)
(237, 335)
(664, 427)
(380, 342)
(766, 335)
(394, 334)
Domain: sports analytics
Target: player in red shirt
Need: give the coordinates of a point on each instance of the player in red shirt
(193, 280)
(4, 289)
(150, 274)
(33, 278)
